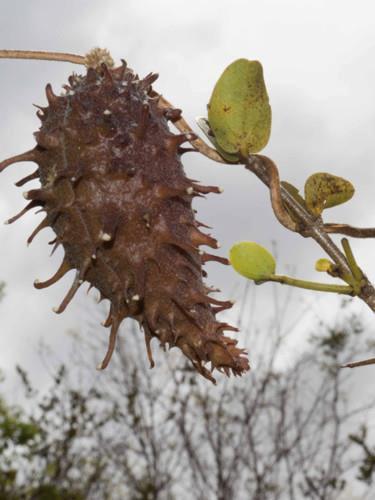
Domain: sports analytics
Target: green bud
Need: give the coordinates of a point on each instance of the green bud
(239, 112)
(252, 260)
(324, 190)
(324, 266)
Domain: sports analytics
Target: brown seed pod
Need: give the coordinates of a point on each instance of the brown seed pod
(114, 191)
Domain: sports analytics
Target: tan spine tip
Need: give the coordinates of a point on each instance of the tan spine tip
(105, 236)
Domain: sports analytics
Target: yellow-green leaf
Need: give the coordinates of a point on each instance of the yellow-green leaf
(324, 190)
(239, 113)
(252, 260)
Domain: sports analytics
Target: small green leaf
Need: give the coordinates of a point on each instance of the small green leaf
(324, 190)
(293, 191)
(252, 260)
(239, 112)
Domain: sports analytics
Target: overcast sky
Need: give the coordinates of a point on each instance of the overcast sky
(319, 65)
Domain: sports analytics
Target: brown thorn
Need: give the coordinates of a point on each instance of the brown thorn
(219, 309)
(56, 244)
(62, 270)
(107, 322)
(27, 156)
(226, 326)
(38, 194)
(207, 189)
(200, 224)
(198, 238)
(29, 206)
(124, 66)
(205, 257)
(39, 227)
(143, 121)
(226, 303)
(78, 280)
(172, 114)
(173, 142)
(182, 151)
(111, 344)
(165, 192)
(148, 338)
(41, 108)
(106, 73)
(41, 113)
(211, 290)
(71, 292)
(28, 178)
(52, 98)
(148, 80)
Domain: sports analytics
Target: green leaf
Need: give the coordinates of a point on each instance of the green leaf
(239, 113)
(293, 191)
(324, 190)
(252, 260)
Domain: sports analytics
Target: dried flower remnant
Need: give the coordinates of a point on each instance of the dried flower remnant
(115, 193)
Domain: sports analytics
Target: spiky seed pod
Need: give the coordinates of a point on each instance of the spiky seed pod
(115, 193)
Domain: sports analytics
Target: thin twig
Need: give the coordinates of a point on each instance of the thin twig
(42, 55)
(355, 232)
(364, 362)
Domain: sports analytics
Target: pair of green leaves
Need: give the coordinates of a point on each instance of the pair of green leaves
(239, 116)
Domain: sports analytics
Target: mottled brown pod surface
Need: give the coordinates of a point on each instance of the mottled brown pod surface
(114, 191)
